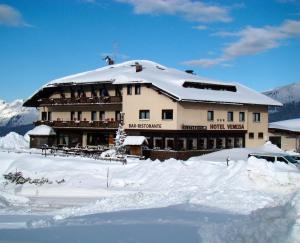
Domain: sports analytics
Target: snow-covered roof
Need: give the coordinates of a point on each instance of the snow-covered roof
(42, 130)
(292, 125)
(135, 140)
(169, 80)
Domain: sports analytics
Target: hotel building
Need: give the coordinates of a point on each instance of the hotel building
(175, 110)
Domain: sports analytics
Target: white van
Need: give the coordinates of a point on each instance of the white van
(274, 157)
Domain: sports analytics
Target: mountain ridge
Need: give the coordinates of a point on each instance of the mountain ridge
(289, 96)
(15, 117)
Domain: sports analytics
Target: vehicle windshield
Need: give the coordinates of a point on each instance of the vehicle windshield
(291, 159)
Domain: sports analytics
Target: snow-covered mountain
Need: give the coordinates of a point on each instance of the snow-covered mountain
(289, 96)
(15, 117)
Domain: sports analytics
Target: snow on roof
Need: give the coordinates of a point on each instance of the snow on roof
(169, 80)
(292, 125)
(42, 130)
(135, 140)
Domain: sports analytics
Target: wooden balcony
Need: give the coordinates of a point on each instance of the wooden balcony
(81, 100)
(80, 124)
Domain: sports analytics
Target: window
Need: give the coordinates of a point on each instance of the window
(117, 115)
(79, 115)
(260, 135)
(118, 91)
(103, 92)
(256, 117)
(158, 143)
(72, 115)
(169, 143)
(129, 89)
(230, 116)
(281, 159)
(167, 115)
(267, 158)
(210, 115)
(44, 116)
(251, 135)
(137, 89)
(202, 143)
(94, 115)
(144, 115)
(238, 142)
(102, 115)
(49, 116)
(242, 116)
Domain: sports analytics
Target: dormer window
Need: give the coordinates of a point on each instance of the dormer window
(209, 86)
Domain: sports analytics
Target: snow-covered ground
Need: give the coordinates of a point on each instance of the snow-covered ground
(199, 200)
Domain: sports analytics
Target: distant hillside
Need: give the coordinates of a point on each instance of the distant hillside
(15, 117)
(289, 96)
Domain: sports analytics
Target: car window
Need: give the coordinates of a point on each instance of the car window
(268, 158)
(290, 159)
(281, 159)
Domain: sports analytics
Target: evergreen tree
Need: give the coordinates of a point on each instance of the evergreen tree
(119, 140)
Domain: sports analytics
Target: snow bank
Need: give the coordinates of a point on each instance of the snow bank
(237, 153)
(13, 141)
(241, 187)
(7, 199)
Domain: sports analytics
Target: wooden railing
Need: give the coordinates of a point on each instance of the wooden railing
(81, 100)
(83, 124)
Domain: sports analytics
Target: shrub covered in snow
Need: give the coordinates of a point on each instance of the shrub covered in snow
(18, 178)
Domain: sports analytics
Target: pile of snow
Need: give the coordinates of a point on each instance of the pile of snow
(13, 141)
(242, 187)
(238, 153)
(111, 153)
(7, 199)
(42, 130)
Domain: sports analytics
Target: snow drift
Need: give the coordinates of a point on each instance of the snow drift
(13, 141)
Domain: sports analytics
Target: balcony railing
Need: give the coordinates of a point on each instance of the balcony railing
(80, 124)
(81, 100)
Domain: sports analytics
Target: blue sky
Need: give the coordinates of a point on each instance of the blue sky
(256, 43)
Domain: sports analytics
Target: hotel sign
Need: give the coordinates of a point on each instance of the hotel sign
(228, 127)
(147, 125)
(214, 127)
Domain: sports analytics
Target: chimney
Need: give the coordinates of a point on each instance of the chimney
(189, 71)
(109, 60)
(138, 67)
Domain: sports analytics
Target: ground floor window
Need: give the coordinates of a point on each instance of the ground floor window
(97, 139)
(202, 143)
(211, 143)
(157, 143)
(192, 144)
(182, 144)
(179, 142)
(238, 142)
(220, 143)
(260, 135)
(229, 142)
(63, 140)
(169, 143)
